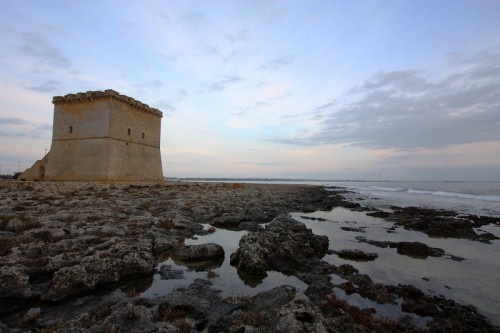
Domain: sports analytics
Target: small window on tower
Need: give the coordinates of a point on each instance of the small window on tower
(129, 131)
(71, 129)
(143, 135)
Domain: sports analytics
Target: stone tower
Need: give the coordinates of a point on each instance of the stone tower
(101, 136)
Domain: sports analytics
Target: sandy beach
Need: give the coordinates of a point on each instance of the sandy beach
(90, 257)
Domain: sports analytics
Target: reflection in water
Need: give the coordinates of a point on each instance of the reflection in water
(471, 281)
(227, 278)
(200, 266)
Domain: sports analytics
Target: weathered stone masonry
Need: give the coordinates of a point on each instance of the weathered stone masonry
(101, 136)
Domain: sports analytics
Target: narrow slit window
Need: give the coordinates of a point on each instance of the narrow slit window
(143, 135)
(129, 131)
(70, 129)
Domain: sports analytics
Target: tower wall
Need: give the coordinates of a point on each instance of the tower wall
(134, 151)
(102, 136)
(80, 148)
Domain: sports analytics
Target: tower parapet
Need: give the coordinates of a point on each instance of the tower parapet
(90, 96)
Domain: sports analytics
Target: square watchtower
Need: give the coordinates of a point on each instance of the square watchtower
(102, 136)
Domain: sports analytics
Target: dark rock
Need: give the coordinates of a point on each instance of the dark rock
(379, 214)
(317, 291)
(353, 229)
(412, 249)
(202, 252)
(199, 302)
(345, 270)
(356, 255)
(228, 220)
(168, 273)
(420, 306)
(313, 218)
(381, 244)
(108, 266)
(441, 223)
(283, 309)
(250, 226)
(285, 245)
(417, 249)
(351, 205)
(256, 214)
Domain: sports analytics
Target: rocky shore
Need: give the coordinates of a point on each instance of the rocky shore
(75, 257)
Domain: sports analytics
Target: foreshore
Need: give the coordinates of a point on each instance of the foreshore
(77, 256)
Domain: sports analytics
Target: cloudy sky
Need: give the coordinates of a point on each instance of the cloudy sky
(403, 90)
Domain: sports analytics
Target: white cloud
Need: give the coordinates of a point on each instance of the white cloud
(406, 110)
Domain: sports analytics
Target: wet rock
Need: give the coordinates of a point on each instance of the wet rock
(420, 306)
(379, 214)
(184, 224)
(161, 242)
(412, 249)
(228, 220)
(14, 282)
(356, 255)
(198, 302)
(168, 273)
(285, 245)
(250, 226)
(101, 267)
(353, 229)
(417, 249)
(256, 214)
(202, 252)
(282, 309)
(381, 244)
(440, 223)
(15, 225)
(313, 218)
(300, 315)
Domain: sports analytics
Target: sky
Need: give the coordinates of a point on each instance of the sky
(316, 89)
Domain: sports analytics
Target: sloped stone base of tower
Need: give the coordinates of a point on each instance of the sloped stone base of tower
(36, 171)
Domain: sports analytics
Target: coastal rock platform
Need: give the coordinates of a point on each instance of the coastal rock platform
(75, 257)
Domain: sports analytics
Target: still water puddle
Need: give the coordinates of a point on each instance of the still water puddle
(471, 281)
(226, 278)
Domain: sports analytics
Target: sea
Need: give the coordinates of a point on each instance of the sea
(465, 197)
(478, 198)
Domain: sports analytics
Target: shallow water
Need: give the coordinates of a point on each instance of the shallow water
(471, 281)
(227, 278)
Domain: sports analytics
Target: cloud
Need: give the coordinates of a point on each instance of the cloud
(45, 54)
(278, 62)
(263, 103)
(408, 110)
(268, 164)
(193, 18)
(239, 36)
(224, 82)
(15, 127)
(406, 80)
(47, 86)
